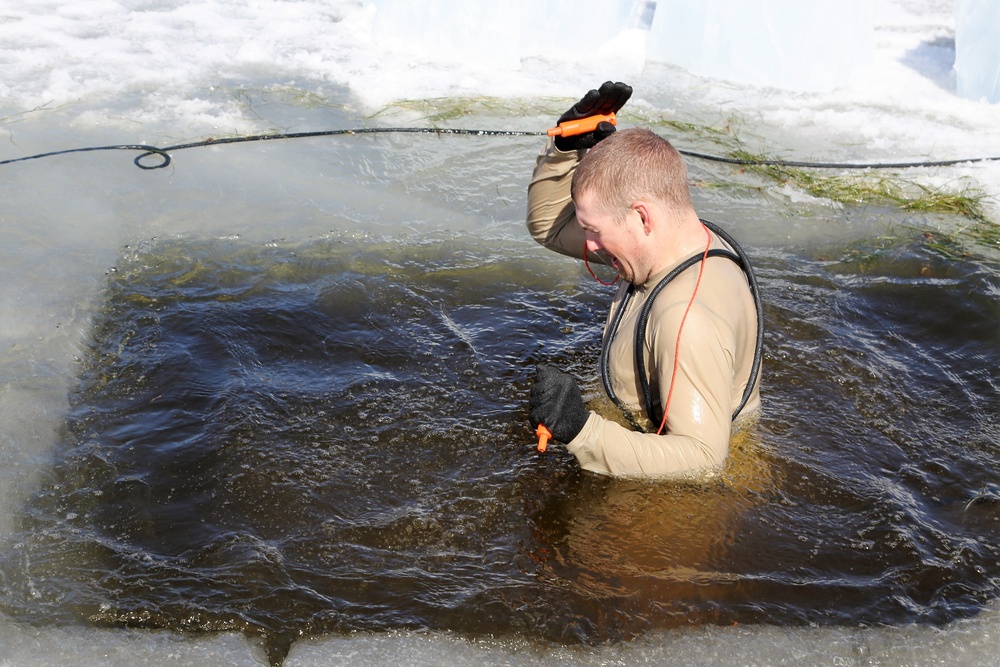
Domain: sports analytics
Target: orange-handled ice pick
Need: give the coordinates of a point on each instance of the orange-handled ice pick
(543, 437)
(571, 128)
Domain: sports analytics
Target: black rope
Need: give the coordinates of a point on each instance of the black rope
(643, 323)
(149, 150)
(762, 162)
(758, 303)
(605, 360)
(164, 153)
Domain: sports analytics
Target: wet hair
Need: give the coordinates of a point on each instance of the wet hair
(631, 165)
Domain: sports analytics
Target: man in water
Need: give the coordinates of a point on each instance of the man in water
(622, 199)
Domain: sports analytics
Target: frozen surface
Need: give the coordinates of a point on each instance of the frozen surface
(973, 641)
(86, 647)
(966, 644)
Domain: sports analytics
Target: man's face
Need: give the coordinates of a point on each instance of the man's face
(616, 241)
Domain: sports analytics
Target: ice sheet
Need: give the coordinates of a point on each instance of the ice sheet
(977, 49)
(815, 46)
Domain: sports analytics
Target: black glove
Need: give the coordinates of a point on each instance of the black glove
(610, 97)
(557, 403)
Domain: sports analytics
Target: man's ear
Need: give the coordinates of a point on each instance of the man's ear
(643, 209)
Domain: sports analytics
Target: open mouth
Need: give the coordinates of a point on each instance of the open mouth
(613, 262)
(609, 260)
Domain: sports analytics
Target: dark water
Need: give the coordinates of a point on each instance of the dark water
(295, 440)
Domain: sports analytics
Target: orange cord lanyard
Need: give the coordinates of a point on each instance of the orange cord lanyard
(680, 329)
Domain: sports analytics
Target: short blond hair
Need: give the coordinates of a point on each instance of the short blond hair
(631, 165)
